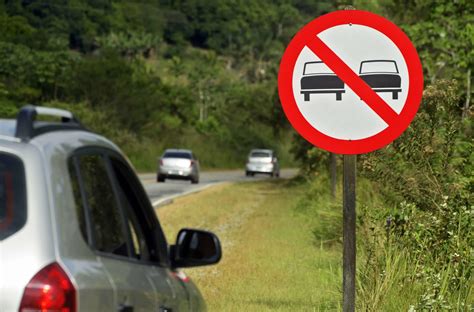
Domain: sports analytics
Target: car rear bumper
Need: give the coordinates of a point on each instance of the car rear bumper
(260, 168)
(175, 173)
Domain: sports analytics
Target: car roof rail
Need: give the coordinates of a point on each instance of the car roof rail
(27, 127)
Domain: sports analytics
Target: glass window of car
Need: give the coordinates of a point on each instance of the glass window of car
(76, 191)
(177, 155)
(12, 195)
(133, 208)
(260, 154)
(313, 68)
(115, 215)
(378, 67)
(107, 221)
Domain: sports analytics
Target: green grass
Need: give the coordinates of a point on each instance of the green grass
(391, 275)
(282, 251)
(271, 260)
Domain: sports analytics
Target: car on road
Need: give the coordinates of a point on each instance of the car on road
(178, 164)
(318, 78)
(262, 161)
(77, 230)
(381, 76)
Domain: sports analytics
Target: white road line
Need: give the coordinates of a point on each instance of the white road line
(169, 199)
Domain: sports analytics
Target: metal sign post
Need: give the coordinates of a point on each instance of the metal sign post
(333, 174)
(349, 233)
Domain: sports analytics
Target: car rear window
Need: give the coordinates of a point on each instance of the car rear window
(378, 67)
(259, 155)
(12, 195)
(177, 155)
(313, 68)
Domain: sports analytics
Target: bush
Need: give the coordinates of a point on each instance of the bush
(427, 177)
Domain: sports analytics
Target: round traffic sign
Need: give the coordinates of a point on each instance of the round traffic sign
(350, 82)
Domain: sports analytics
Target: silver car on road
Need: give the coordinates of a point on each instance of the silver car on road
(178, 164)
(77, 230)
(262, 161)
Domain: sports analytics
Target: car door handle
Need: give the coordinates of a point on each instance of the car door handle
(125, 308)
(165, 309)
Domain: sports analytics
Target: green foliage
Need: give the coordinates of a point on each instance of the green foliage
(442, 32)
(190, 74)
(8, 109)
(318, 206)
(310, 158)
(426, 176)
(416, 226)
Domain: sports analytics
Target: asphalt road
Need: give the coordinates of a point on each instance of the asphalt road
(162, 193)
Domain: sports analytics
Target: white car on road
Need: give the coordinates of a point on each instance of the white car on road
(262, 161)
(178, 164)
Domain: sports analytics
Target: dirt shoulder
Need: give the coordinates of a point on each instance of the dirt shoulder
(270, 259)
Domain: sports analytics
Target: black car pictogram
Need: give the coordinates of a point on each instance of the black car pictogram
(381, 76)
(318, 78)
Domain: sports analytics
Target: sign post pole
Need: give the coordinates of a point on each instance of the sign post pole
(333, 173)
(349, 233)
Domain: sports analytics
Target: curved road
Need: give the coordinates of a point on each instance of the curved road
(163, 193)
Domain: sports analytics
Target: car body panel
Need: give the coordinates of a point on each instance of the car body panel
(104, 274)
(177, 167)
(321, 82)
(132, 283)
(177, 163)
(319, 79)
(17, 266)
(382, 80)
(262, 161)
(52, 234)
(185, 167)
(196, 300)
(381, 76)
(94, 287)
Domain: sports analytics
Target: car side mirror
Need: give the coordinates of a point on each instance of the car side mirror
(195, 248)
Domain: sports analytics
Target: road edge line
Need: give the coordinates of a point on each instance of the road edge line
(170, 199)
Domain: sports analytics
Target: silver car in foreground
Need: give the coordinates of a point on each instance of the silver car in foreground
(262, 161)
(77, 230)
(178, 164)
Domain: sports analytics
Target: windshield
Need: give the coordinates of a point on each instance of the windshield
(177, 155)
(378, 67)
(12, 195)
(312, 68)
(260, 154)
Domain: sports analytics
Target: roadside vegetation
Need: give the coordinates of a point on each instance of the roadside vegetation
(415, 211)
(282, 247)
(272, 257)
(155, 74)
(195, 74)
(415, 197)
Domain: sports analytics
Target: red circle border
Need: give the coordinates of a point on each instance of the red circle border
(379, 140)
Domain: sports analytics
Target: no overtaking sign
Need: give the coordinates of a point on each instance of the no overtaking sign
(350, 82)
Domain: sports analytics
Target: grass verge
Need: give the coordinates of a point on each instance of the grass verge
(282, 251)
(271, 260)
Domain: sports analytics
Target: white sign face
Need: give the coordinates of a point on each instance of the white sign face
(328, 104)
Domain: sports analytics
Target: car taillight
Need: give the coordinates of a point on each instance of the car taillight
(161, 162)
(191, 163)
(49, 290)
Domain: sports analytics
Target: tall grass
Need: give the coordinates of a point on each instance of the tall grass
(394, 276)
